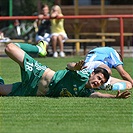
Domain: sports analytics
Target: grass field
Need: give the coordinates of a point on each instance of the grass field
(63, 115)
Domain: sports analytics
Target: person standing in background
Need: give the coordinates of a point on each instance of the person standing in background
(58, 34)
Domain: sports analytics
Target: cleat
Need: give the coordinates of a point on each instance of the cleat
(108, 87)
(43, 45)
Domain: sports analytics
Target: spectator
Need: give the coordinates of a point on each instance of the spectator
(43, 26)
(58, 34)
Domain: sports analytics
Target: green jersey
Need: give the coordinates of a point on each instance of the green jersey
(69, 83)
(63, 83)
(30, 75)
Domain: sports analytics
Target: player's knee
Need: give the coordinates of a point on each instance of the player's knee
(8, 47)
(122, 86)
(128, 85)
(119, 86)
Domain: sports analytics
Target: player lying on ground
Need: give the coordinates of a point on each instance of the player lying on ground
(105, 57)
(39, 80)
(108, 58)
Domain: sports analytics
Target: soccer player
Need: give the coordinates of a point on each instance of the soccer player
(108, 58)
(39, 80)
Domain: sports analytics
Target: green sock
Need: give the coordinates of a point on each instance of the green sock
(28, 48)
(1, 80)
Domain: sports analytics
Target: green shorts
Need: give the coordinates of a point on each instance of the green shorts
(30, 75)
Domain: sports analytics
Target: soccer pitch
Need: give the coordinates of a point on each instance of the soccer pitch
(63, 115)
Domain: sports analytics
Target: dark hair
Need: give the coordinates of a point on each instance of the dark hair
(44, 5)
(103, 71)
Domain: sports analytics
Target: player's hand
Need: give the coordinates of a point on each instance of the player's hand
(79, 65)
(124, 94)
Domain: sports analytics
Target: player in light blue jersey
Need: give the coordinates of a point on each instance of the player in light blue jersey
(107, 55)
(109, 58)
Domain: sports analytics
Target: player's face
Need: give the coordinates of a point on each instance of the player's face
(96, 80)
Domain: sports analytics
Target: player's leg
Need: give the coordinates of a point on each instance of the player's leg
(28, 48)
(116, 84)
(15, 53)
(4, 89)
(120, 84)
(1, 81)
(40, 48)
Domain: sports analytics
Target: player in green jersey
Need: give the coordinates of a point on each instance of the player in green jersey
(39, 80)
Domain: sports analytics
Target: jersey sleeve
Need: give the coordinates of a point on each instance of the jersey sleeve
(115, 59)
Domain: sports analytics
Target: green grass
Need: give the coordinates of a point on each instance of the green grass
(62, 115)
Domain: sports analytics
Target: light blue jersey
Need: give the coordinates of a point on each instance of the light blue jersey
(107, 55)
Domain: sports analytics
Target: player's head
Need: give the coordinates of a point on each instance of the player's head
(98, 77)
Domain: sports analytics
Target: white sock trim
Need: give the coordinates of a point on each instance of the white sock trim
(39, 48)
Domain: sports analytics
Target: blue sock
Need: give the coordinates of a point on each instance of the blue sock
(119, 86)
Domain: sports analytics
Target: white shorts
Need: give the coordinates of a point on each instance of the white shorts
(61, 33)
(45, 38)
(92, 65)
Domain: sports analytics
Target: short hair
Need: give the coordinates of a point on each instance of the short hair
(44, 5)
(103, 71)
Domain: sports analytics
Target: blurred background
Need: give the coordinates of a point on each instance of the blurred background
(69, 7)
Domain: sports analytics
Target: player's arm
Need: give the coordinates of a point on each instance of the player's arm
(76, 66)
(124, 94)
(124, 74)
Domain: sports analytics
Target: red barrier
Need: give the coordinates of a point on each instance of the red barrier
(120, 17)
(67, 17)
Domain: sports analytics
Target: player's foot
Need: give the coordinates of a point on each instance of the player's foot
(108, 87)
(43, 45)
(1, 81)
